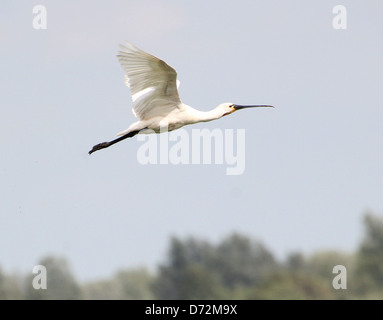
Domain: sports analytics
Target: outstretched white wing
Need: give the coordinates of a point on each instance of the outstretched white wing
(152, 83)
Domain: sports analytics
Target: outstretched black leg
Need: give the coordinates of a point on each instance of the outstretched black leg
(104, 145)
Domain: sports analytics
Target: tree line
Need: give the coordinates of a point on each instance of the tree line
(236, 268)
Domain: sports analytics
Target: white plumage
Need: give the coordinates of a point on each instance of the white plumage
(153, 86)
(151, 81)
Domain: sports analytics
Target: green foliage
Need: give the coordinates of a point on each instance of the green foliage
(235, 268)
(241, 261)
(322, 263)
(127, 285)
(60, 282)
(9, 288)
(293, 286)
(370, 257)
(198, 270)
(185, 275)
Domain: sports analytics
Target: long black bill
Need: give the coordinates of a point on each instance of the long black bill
(238, 107)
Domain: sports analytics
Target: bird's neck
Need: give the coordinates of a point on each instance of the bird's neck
(204, 116)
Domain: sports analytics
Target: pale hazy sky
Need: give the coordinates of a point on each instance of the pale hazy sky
(313, 165)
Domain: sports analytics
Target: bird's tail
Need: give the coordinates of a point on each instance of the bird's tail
(122, 133)
(137, 126)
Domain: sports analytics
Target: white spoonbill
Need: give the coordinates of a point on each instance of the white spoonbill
(153, 86)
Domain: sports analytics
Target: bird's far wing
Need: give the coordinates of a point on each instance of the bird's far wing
(152, 82)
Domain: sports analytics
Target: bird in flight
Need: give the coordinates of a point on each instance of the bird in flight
(153, 85)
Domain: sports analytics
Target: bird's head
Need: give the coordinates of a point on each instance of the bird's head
(228, 107)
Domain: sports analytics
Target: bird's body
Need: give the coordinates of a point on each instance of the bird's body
(153, 85)
(175, 119)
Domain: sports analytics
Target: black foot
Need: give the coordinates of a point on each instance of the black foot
(99, 147)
